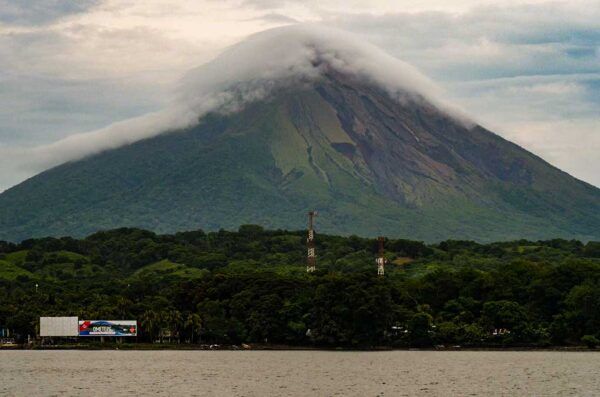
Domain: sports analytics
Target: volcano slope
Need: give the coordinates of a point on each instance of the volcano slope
(369, 164)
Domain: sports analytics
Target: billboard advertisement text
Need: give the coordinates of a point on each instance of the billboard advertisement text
(108, 328)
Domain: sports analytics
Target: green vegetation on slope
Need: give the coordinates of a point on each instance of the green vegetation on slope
(366, 163)
(10, 271)
(251, 286)
(166, 268)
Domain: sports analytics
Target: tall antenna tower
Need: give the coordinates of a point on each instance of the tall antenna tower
(311, 259)
(380, 258)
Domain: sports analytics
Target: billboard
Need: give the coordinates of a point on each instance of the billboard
(107, 328)
(59, 326)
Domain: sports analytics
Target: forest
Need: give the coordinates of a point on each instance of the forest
(251, 286)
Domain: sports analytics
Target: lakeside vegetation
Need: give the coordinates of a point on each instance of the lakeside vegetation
(251, 286)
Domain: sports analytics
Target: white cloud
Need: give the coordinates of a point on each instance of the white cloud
(268, 59)
(245, 72)
(82, 67)
(76, 146)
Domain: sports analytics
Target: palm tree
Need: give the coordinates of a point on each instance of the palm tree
(193, 322)
(123, 305)
(175, 320)
(149, 320)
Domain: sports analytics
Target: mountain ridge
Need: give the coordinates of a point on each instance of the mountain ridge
(369, 163)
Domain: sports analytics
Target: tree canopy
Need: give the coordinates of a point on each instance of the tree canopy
(251, 286)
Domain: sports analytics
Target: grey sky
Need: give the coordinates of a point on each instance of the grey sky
(35, 12)
(530, 72)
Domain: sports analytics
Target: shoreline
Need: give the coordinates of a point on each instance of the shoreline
(264, 347)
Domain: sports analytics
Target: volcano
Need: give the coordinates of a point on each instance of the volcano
(369, 159)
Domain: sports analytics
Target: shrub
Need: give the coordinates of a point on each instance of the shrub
(590, 341)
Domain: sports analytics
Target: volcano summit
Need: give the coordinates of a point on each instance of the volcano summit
(295, 119)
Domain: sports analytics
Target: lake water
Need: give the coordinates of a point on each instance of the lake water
(298, 373)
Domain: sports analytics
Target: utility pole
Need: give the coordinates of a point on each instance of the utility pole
(380, 258)
(311, 259)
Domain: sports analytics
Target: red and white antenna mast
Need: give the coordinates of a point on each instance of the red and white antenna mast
(380, 258)
(311, 259)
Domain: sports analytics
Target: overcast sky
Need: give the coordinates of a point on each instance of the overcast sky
(529, 71)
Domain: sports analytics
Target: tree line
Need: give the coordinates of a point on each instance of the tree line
(251, 286)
